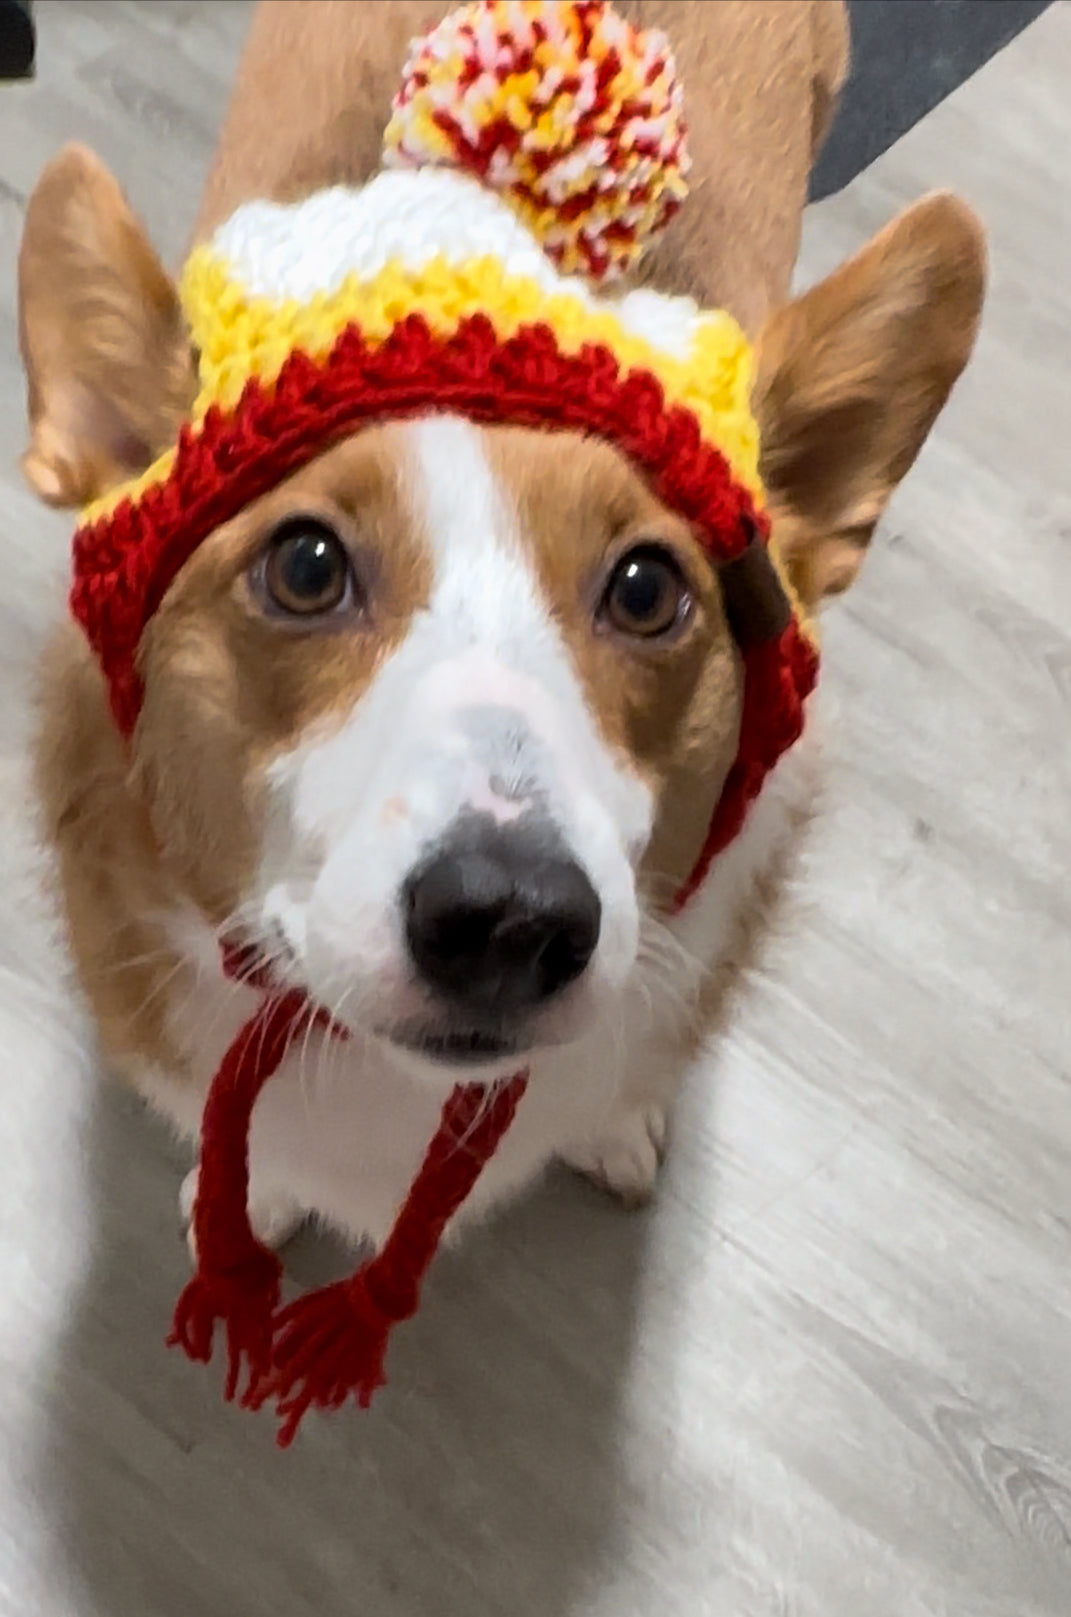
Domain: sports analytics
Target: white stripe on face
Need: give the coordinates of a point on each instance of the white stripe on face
(479, 710)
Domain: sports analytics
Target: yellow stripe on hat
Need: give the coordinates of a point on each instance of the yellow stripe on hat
(239, 336)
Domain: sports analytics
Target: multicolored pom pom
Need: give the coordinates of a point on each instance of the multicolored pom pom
(566, 110)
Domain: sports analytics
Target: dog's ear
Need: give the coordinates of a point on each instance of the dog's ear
(108, 365)
(851, 377)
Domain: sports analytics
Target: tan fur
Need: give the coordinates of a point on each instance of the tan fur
(227, 688)
(850, 380)
(107, 360)
(177, 819)
(113, 886)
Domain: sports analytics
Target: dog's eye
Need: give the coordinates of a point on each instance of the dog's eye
(307, 569)
(647, 593)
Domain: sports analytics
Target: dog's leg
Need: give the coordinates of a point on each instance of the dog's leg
(624, 1156)
(273, 1215)
(624, 1160)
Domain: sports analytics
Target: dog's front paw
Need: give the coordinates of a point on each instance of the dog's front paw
(273, 1216)
(626, 1157)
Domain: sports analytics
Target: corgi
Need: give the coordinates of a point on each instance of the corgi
(439, 721)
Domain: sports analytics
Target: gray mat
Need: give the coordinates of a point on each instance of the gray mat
(907, 55)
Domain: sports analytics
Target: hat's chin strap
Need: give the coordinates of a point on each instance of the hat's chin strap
(329, 1344)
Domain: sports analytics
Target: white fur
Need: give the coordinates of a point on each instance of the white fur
(478, 708)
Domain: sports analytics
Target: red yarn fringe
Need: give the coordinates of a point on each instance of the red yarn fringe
(330, 1344)
(244, 1301)
(237, 1280)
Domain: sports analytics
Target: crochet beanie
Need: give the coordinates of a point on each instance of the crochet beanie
(533, 150)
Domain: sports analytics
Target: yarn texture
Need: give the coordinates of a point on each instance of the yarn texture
(569, 111)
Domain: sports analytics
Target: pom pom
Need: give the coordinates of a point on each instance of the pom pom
(570, 113)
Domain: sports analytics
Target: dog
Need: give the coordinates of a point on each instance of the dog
(485, 668)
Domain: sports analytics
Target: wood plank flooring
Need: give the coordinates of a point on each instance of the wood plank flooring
(829, 1373)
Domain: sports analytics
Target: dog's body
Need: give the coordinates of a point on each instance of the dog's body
(844, 401)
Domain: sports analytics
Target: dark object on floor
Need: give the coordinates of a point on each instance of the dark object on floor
(17, 40)
(907, 55)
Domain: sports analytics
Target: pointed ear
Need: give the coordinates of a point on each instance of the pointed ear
(851, 378)
(108, 366)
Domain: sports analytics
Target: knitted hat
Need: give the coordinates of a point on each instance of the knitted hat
(533, 149)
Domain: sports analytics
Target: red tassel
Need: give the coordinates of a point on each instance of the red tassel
(331, 1344)
(244, 1301)
(237, 1279)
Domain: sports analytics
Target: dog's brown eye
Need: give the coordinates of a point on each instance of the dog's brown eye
(647, 593)
(307, 569)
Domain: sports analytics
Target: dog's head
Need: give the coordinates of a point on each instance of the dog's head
(441, 719)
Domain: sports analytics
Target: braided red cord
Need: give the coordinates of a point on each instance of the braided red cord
(237, 1279)
(330, 1344)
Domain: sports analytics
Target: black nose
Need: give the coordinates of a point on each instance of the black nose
(499, 919)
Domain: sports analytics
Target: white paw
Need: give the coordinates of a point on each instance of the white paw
(274, 1217)
(626, 1157)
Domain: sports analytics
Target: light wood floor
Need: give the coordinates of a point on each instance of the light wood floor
(829, 1374)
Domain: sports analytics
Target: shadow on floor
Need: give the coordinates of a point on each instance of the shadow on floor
(486, 1479)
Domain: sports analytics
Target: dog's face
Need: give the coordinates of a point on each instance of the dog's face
(441, 722)
(437, 695)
